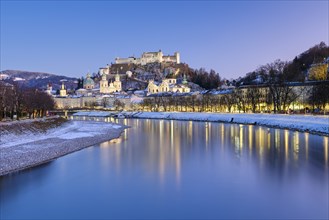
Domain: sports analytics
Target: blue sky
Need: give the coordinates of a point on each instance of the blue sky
(232, 37)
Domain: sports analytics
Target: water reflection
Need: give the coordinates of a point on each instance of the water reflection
(180, 169)
(274, 149)
(167, 137)
(325, 142)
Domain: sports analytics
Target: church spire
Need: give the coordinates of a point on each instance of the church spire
(184, 79)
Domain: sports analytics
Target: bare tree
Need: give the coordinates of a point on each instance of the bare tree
(319, 96)
(253, 97)
(228, 101)
(119, 105)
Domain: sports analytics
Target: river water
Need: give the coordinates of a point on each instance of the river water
(179, 169)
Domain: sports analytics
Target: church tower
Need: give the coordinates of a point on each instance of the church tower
(49, 90)
(117, 83)
(62, 91)
(184, 79)
(104, 84)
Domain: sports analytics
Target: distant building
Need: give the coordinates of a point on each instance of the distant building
(62, 91)
(117, 83)
(105, 70)
(104, 84)
(106, 87)
(88, 83)
(167, 85)
(150, 57)
(49, 89)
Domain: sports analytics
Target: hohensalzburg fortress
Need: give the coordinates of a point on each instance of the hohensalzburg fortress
(150, 57)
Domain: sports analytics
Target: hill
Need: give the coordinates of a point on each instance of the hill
(296, 70)
(36, 79)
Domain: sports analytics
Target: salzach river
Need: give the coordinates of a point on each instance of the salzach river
(179, 169)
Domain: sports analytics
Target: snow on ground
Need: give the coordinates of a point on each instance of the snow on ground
(30, 148)
(70, 130)
(308, 123)
(18, 79)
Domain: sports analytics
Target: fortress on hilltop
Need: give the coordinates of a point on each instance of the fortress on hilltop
(150, 57)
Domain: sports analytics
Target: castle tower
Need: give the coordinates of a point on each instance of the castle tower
(62, 91)
(117, 83)
(160, 56)
(104, 84)
(177, 55)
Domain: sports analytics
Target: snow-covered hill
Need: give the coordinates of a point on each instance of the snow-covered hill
(36, 79)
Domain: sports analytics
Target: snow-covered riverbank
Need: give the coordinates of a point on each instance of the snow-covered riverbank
(304, 123)
(21, 147)
(29, 147)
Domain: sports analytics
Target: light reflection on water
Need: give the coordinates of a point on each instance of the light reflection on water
(180, 169)
(325, 148)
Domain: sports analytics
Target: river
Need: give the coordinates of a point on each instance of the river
(182, 170)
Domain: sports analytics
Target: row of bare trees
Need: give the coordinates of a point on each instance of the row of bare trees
(17, 101)
(273, 98)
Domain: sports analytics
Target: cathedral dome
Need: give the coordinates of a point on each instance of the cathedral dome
(88, 83)
(88, 80)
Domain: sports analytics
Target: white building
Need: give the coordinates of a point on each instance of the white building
(149, 57)
(105, 70)
(167, 85)
(49, 89)
(106, 87)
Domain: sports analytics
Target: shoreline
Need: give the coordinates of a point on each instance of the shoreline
(255, 124)
(317, 125)
(50, 146)
(23, 151)
(13, 171)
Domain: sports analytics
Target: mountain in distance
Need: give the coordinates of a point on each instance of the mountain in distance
(37, 79)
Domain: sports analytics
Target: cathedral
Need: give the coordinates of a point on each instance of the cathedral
(88, 83)
(106, 87)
